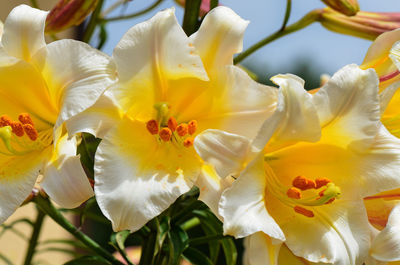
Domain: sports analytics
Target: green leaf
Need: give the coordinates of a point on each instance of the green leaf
(178, 243)
(88, 260)
(118, 239)
(196, 257)
(88, 205)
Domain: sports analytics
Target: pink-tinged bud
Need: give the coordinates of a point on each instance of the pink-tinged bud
(68, 13)
(346, 7)
(367, 25)
(204, 6)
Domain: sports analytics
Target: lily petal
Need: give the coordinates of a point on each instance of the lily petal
(228, 153)
(64, 178)
(219, 37)
(261, 251)
(348, 106)
(295, 118)
(131, 170)
(23, 33)
(341, 230)
(1, 29)
(150, 55)
(211, 187)
(97, 119)
(242, 206)
(17, 177)
(386, 245)
(76, 75)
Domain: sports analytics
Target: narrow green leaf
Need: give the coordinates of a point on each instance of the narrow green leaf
(196, 257)
(120, 238)
(178, 243)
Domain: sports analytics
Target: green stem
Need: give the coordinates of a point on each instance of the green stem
(213, 4)
(308, 19)
(149, 244)
(47, 207)
(92, 22)
(191, 16)
(287, 14)
(190, 223)
(141, 12)
(34, 237)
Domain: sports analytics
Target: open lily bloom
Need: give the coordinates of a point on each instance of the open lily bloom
(41, 87)
(171, 87)
(384, 57)
(320, 155)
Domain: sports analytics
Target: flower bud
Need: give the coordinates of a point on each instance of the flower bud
(68, 13)
(346, 7)
(367, 25)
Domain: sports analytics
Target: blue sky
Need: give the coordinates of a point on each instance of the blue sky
(326, 50)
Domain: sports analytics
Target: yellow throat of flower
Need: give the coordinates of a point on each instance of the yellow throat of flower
(166, 129)
(21, 137)
(320, 191)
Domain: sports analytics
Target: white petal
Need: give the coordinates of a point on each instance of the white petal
(394, 53)
(295, 118)
(242, 206)
(246, 104)
(211, 187)
(348, 106)
(219, 37)
(64, 178)
(97, 119)
(136, 178)
(17, 177)
(386, 245)
(1, 29)
(76, 75)
(227, 153)
(379, 165)
(338, 234)
(260, 250)
(23, 33)
(381, 47)
(157, 45)
(387, 94)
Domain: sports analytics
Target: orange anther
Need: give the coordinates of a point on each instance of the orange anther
(172, 124)
(182, 129)
(152, 126)
(188, 142)
(293, 193)
(30, 131)
(5, 121)
(24, 118)
(17, 128)
(165, 134)
(303, 183)
(305, 212)
(192, 127)
(320, 182)
(330, 201)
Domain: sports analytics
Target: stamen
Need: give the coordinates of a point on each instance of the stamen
(152, 126)
(320, 182)
(293, 193)
(303, 183)
(305, 212)
(31, 132)
(192, 127)
(172, 124)
(24, 118)
(5, 121)
(182, 129)
(17, 128)
(188, 142)
(165, 134)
